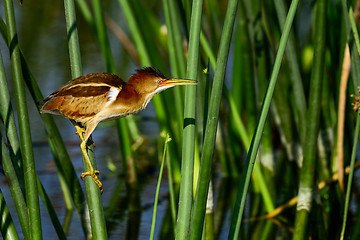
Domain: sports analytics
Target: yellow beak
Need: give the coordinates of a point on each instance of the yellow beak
(174, 82)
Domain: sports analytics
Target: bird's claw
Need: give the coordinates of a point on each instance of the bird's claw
(94, 177)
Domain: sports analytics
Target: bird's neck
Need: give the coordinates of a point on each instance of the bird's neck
(131, 97)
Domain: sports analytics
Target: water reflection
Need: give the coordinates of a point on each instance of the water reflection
(43, 41)
(42, 38)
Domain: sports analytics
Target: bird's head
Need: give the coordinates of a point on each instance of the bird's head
(151, 81)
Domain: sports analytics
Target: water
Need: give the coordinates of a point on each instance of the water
(43, 41)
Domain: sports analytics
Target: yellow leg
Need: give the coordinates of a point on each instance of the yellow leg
(91, 171)
(79, 132)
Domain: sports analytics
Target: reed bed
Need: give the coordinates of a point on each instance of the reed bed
(264, 147)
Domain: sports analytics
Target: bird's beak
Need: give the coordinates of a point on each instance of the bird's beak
(174, 82)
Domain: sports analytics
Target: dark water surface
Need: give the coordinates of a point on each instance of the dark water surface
(43, 40)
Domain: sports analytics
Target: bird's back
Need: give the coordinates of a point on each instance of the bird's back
(82, 97)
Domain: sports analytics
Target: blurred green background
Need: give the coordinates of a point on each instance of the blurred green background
(300, 144)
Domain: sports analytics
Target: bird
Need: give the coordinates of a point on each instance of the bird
(96, 97)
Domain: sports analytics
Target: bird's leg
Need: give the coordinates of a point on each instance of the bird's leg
(91, 171)
(79, 132)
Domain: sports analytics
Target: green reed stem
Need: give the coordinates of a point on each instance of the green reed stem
(102, 36)
(167, 139)
(24, 126)
(240, 130)
(62, 159)
(122, 125)
(141, 48)
(208, 52)
(295, 76)
(136, 35)
(354, 29)
(144, 55)
(187, 162)
(197, 219)
(351, 174)
(243, 71)
(356, 136)
(172, 100)
(7, 116)
(86, 13)
(73, 39)
(307, 172)
(260, 63)
(172, 197)
(236, 118)
(15, 189)
(140, 42)
(177, 58)
(149, 29)
(175, 38)
(97, 219)
(50, 209)
(143, 52)
(129, 165)
(6, 113)
(175, 24)
(250, 161)
(7, 227)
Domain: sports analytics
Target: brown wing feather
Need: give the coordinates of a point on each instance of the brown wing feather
(83, 97)
(82, 108)
(91, 79)
(84, 91)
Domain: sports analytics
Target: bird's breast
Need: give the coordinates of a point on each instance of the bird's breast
(125, 104)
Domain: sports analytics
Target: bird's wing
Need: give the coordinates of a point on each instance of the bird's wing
(83, 97)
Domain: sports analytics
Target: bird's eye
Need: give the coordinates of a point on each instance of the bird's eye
(159, 81)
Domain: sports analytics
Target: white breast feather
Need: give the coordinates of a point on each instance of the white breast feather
(150, 96)
(112, 94)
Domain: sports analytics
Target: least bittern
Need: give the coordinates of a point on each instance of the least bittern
(92, 98)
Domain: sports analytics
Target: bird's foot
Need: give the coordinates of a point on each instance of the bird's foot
(94, 177)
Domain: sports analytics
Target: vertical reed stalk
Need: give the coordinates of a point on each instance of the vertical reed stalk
(198, 216)
(15, 189)
(172, 194)
(351, 174)
(7, 227)
(294, 73)
(146, 59)
(122, 126)
(63, 162)
(73, 38)
(176, 55)
(307, 171)
(94, 198)
(24, 126)
(167, 140)
(356, 136)
(187, 163)
(62, 159)
(8, 119)
(102, 36)
(7, 116)
(11, 156)
(134, 29)
(51, 211)
(250, 160)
